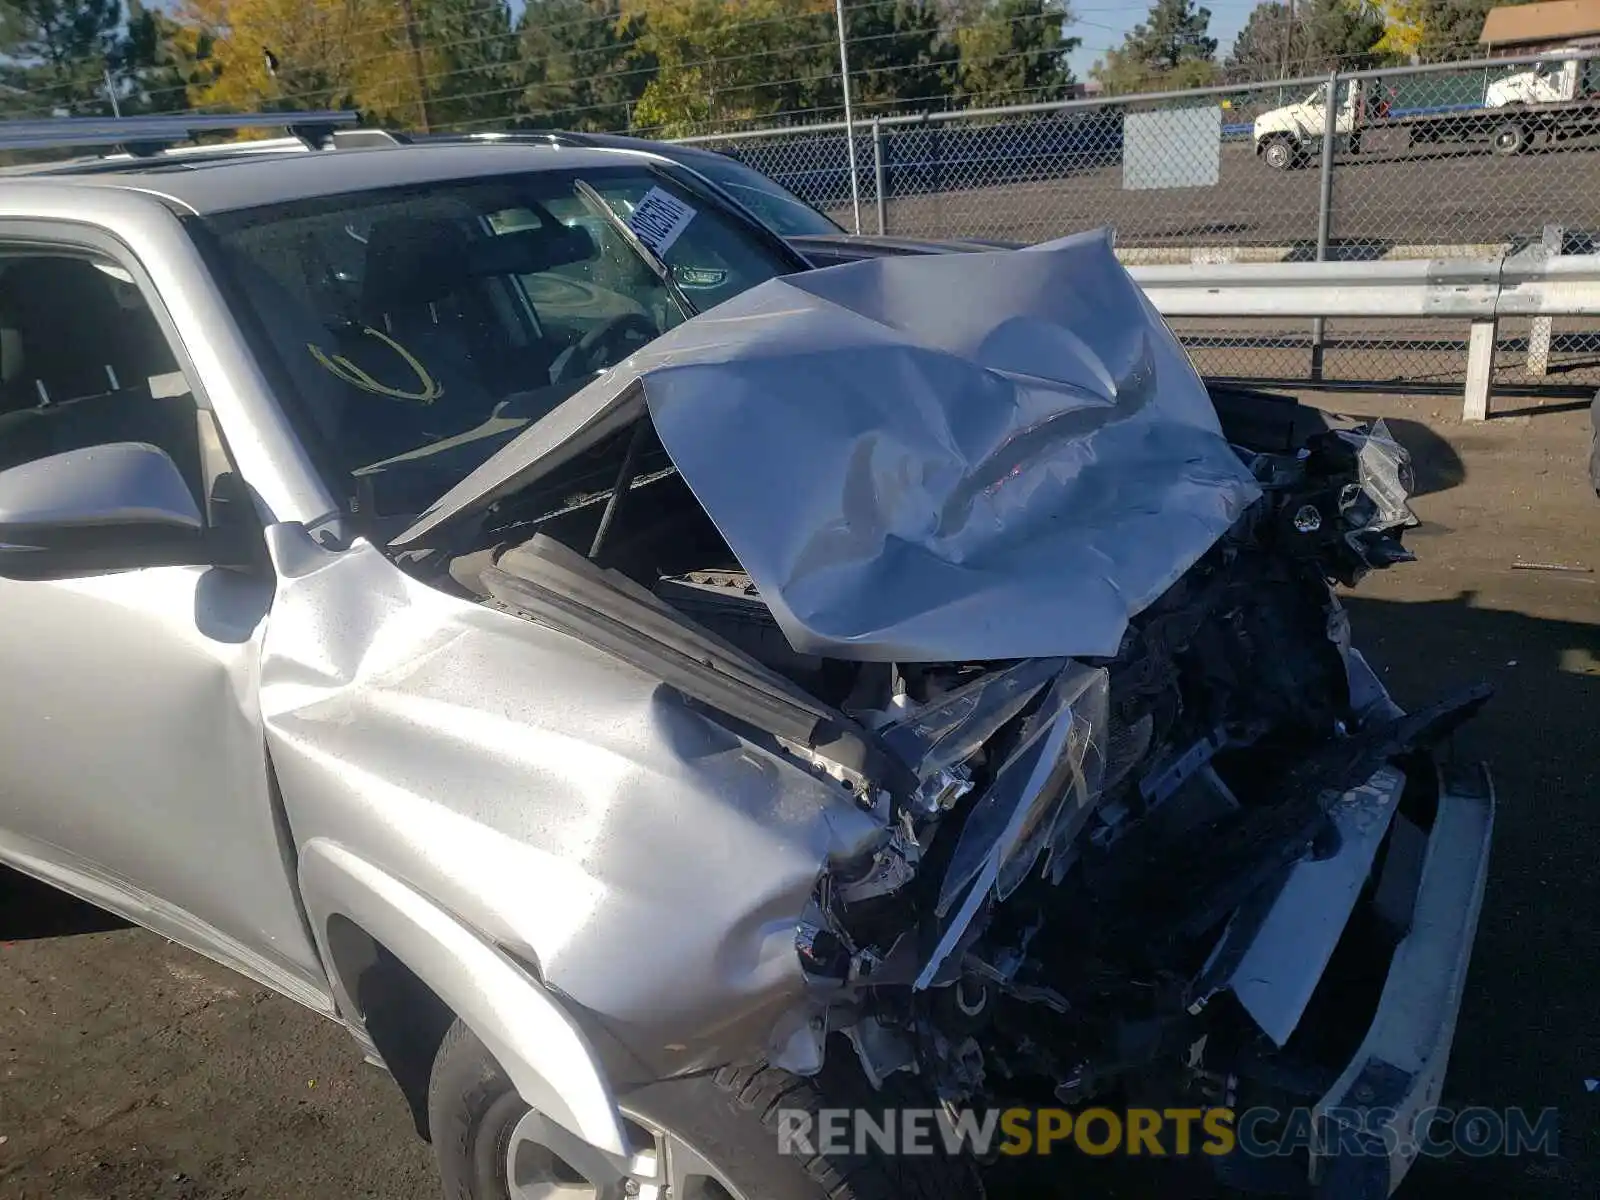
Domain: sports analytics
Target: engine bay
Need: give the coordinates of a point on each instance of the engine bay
(1066, 840)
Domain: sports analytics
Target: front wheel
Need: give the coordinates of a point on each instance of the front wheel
(704, 1137)
(1280, 153)
(1509, 138)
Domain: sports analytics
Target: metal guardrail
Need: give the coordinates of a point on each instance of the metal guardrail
(1533, 283)
(1420, 171)
(1461, 288)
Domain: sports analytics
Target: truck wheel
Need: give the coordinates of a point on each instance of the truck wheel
(1280, 153)
(1509, 138)
(713, 1137)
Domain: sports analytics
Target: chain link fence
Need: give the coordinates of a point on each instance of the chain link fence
(1472, 160)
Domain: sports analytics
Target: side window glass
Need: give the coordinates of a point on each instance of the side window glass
(83, 362)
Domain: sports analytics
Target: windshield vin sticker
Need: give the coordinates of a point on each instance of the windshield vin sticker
(659, 218)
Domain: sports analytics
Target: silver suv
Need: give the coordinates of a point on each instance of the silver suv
(651, 693)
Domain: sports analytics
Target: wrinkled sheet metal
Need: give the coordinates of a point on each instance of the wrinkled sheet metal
(976, 456)
(549, 797)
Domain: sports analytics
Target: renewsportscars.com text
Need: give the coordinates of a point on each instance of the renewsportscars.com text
(1259, 1132)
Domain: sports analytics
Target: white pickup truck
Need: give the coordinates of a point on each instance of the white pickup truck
(1286, 136)
(1550, 101)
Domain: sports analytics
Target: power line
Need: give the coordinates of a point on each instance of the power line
(433, 77)
(615, 49)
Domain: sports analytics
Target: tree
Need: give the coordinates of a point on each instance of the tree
(297, 55)
(1173, 49)
(1265, 45)
(898, 57)
(471, 64)
(1402, 29)
(1176, 33)
(158, 62)
(1324, 33)
(1450, 28)
(721, 61)
(580, 69)
(54, 55)
(1014, 51)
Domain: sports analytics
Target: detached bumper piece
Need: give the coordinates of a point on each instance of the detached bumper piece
(1399, 1068)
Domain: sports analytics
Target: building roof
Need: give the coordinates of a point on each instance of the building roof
(1550, 21)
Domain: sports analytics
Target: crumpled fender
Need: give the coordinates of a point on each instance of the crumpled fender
(542, 1051)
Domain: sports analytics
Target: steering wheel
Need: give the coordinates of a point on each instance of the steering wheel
(604, 344)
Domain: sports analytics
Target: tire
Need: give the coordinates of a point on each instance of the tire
(729, 1118)
(1509, 138)
(1280, 153)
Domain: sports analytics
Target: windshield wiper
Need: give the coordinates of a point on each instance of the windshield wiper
(651, 258)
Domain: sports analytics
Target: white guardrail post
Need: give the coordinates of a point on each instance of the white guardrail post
(1539, 331)
(1480, 370)
(1479, 291)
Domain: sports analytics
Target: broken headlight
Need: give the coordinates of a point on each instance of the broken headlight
(1038, 802)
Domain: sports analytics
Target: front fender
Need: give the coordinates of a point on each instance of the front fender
(1262, 131)
(545, 1055)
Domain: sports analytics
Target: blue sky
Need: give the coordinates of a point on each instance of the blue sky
(1101, 24)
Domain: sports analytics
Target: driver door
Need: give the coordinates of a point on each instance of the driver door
(132, 768)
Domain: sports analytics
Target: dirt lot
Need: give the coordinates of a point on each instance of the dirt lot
(130, 1068)
(1391, 195)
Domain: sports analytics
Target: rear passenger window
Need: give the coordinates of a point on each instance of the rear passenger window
(83, 362)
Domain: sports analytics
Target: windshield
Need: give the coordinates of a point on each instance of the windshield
(419, 329)
(779, 209)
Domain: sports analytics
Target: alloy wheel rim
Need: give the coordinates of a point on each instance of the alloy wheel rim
(546, 1162)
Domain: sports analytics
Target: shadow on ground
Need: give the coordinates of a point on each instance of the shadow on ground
(1528, 1028)
(30, 909)
(1529, 1032)
(1437, 466)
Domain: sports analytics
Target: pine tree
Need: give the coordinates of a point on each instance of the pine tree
(1171, 49)
(899, 58)
(575, 66)
(470, 61)
(1322, 34)
(1014, 51)
(54, 55)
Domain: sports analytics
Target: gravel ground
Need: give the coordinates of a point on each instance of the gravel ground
(1392, 196)
(130, 1068)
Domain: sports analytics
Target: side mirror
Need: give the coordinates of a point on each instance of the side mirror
(102, 508)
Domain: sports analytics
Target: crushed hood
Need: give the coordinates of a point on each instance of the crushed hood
(976, 456)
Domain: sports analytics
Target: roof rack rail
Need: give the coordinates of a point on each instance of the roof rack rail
(149, 135)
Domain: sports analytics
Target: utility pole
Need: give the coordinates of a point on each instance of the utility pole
(849, 121)
(415, 42)
(1288, 44)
